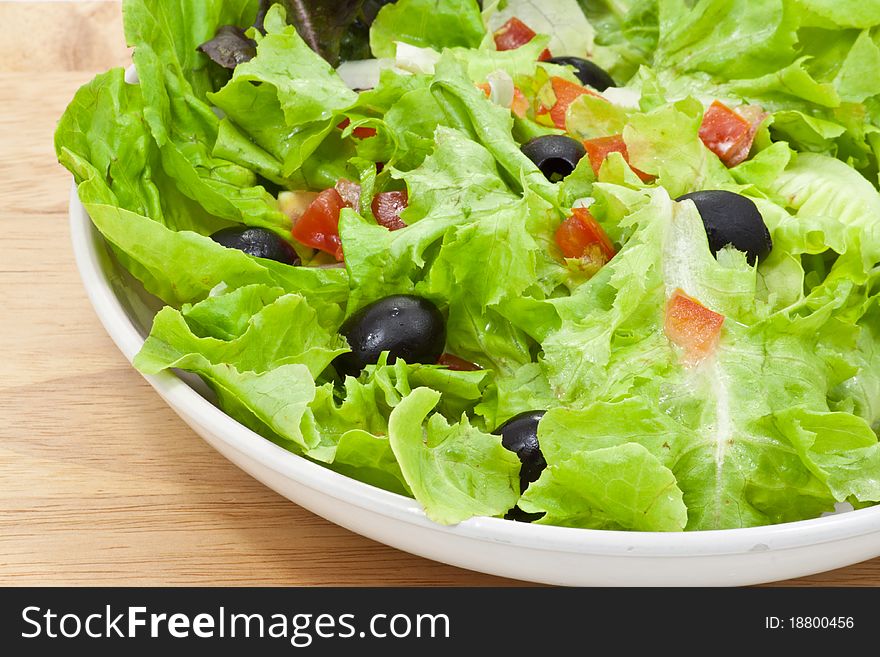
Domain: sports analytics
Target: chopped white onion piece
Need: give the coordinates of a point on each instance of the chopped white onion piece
(623, 97)
(362, 74)
(501, 86)
(583, 203)
(131, 75)
(218, 289)
(415, 59)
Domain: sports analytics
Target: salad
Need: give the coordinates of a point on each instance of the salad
(599, 264)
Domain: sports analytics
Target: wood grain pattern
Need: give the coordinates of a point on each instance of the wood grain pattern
(100, 482)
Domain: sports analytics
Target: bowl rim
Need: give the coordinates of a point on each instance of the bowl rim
(87, 241)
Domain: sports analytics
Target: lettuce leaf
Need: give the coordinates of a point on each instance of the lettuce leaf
(778, 424)
(286, 99)
(455, 471)
(175, 79)
(427, 24)
(103, 134)
(723, 428)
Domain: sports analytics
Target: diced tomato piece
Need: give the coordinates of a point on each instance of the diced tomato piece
(486, 88)
(692, 326)
(361, 132)
(457, 364)
(545, 55)
(566, 93)
(730, 134)
(581, 236)
(387, 207)
(318, 227)
(513, 34)
(350, 192)
(740, 152)
(520, 106)
(599, 149)
(364, 132)
(722, 130)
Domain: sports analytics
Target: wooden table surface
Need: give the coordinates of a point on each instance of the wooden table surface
(100, 482)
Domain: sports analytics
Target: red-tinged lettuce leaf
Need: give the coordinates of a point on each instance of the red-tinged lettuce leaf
(323, 24)
(230, 47)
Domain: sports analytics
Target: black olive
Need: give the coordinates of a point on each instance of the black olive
(555, 155)
(518, 515)
(406, 326)
(520, 435)
(732, 219)
(587, 72)
(257, 242)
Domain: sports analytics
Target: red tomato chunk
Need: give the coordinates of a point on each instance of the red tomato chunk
(581, 236)
(457, 364)
(728, 134)
(318, 227)
(515, 34)
(387, 207)
(692, 326)
(566, 93)
(361, 132)
(599, 149)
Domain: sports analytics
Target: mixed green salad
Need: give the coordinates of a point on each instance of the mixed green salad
(607, 264)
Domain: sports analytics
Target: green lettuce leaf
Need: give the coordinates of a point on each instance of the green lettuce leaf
(732, 444)
(103, 134)
(571, 34)
(456, 471)
(286, 99)
(427, 24)
(182, 267)
(284, 331)
(175, 79)
(456, 185)
(621, 487)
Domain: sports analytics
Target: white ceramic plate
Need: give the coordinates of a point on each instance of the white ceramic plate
(553, 555)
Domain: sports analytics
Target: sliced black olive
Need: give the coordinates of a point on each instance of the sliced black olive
(406, 326)
(587, 72)
(518, 515)
(732, 219)
(520, 435)
(257, 242)
(555, 155)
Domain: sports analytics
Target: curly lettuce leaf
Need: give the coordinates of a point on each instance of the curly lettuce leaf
(182, 266)
(427, 24)
(324, 24)
(175, 79)
(620, 487)
(456, 471)
(571, 34)
(285, 100)
(731, 445)
(103, 134)
(802, 60)
(272, 337)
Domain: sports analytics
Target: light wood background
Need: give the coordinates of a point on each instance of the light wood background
(100, 482)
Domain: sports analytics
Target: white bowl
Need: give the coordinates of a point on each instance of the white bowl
(553, 555)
